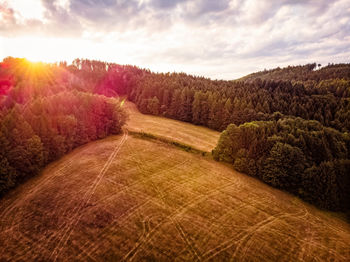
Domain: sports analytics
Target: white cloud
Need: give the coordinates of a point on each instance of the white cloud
(219, 39)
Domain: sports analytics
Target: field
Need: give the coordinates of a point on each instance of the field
(130, 199)
(199, 137)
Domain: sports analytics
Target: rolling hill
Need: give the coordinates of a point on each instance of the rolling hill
(306, 72)
(123, 198)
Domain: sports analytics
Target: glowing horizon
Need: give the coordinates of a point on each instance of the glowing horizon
(222, 39)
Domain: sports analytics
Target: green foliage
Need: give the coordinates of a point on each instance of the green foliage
(283, 167)
(305, 72)
(328, 184)
(42, 118)
(7, 175)
(244, 163)
(300, 156)
(153, 106)
(182, 146)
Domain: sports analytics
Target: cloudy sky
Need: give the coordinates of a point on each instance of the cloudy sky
(223, 39)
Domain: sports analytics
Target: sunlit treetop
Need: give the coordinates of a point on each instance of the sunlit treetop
(26, 69)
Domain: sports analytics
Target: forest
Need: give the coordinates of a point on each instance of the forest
(300, 156)
(45, 111)
(288, 127)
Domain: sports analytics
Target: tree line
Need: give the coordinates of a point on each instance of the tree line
(308, 72)
(45, 112)
(216, 104)
(300, 156)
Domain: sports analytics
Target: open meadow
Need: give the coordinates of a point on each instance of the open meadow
(198, 137)
(130, 199)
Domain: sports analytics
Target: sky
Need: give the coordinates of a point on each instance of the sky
(220, 39)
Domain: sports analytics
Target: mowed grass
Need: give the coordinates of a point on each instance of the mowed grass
(198, 137)
(130, 199)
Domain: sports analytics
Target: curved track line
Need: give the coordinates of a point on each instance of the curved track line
(86, 198)
(149, 177)
(95, 245)
(172, 218)
(240, 239)
(38, 186)
(131, 254)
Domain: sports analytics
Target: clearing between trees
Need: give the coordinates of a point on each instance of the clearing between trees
(198, 137)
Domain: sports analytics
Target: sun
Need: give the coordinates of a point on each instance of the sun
(34, 71)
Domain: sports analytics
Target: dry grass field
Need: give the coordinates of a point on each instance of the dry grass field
(129, 199)
(199, 137)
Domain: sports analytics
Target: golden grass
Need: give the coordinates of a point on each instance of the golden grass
(199, 137)
(125, 198)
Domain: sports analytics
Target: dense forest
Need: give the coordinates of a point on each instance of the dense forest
(217, 103)
(303, 73)
(288, 127)
(46, 111)
(297, 155)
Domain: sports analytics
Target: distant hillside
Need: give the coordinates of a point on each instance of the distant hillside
(302, 73)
